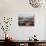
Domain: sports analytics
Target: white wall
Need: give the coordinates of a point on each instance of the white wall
(10, 8)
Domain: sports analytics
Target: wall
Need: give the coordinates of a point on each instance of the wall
(10, 8)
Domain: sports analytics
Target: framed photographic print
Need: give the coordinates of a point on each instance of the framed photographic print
(26, 20)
